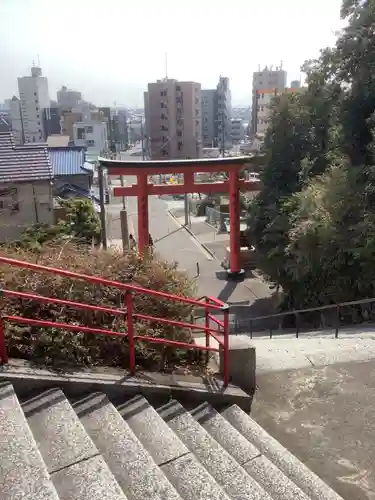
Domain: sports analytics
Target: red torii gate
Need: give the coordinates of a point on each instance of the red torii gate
(143, 169)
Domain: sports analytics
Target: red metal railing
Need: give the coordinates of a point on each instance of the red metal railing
(210, 304)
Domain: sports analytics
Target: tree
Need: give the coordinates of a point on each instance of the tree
(314, 220)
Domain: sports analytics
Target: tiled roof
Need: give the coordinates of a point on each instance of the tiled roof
(67, 161)
(23, 163)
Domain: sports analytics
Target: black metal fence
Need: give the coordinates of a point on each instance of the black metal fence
(335, 316)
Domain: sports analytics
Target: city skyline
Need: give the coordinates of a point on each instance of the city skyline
(80, 59)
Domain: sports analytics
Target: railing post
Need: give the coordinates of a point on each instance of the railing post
(225, 310)
(297, 324)
(337, 321)
(3, 348)
(207, 325)
(251, 328)
(130, 324)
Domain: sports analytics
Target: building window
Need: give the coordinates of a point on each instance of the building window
(178, 88)
(80, 133)
(35, 94)
(164, 128)
(179, 145)
(89, 130)
(179, 133)
(163, 93)
(90, 143)
(9, 200)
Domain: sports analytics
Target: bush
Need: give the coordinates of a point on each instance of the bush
(61, 348)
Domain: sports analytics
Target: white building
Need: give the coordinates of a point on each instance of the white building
(91, 134)
(34, 97)
(16, 120)
(237, 130)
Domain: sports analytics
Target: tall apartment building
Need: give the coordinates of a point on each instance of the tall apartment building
(16, 121)
(68, 99)
(173, 116)
(223, 114)
(209, 102)
(267, 79)
(216, 115)
(34, 98)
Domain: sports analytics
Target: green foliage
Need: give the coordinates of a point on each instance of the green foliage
(313, 223)
(81, 218)
(81, 223)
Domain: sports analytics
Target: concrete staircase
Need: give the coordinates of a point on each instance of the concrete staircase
(89, 449)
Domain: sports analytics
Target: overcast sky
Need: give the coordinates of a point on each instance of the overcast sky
(111, 49)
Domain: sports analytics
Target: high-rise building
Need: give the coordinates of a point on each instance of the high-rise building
(209, 101)
(223, 114)
(268, 79)
(68, 99)
(173, 115)
(216, 115)
(16, 121)
(34, 98)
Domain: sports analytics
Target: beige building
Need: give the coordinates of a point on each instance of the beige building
(173, 119)
(264, 108)
(25, 187)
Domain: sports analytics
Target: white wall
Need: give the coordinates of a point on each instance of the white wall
(91, 134)
(29, 204)
(15, 115)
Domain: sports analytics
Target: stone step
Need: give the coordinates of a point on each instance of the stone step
(23, 474)
(188, 475)
(72, 459)
(133, 467)
(277, 484)
(285, 461)
(219, 463)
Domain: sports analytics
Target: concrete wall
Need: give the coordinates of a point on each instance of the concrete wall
(26, 204)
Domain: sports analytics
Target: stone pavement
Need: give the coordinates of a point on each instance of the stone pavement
(326, 416)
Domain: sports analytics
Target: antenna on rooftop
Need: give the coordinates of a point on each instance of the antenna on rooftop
(38, 60)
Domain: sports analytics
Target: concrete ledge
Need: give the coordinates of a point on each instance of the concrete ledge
(118, 384)
(242, 362)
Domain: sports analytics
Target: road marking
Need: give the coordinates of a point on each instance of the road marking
(201, 248)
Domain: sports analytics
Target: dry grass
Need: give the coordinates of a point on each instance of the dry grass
(61, 348)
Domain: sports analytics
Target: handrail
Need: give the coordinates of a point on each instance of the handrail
(104, 281)
(298, 312)
(126, 312)
(311, 309)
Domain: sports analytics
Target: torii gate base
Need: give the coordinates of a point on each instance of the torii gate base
(188, 168)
